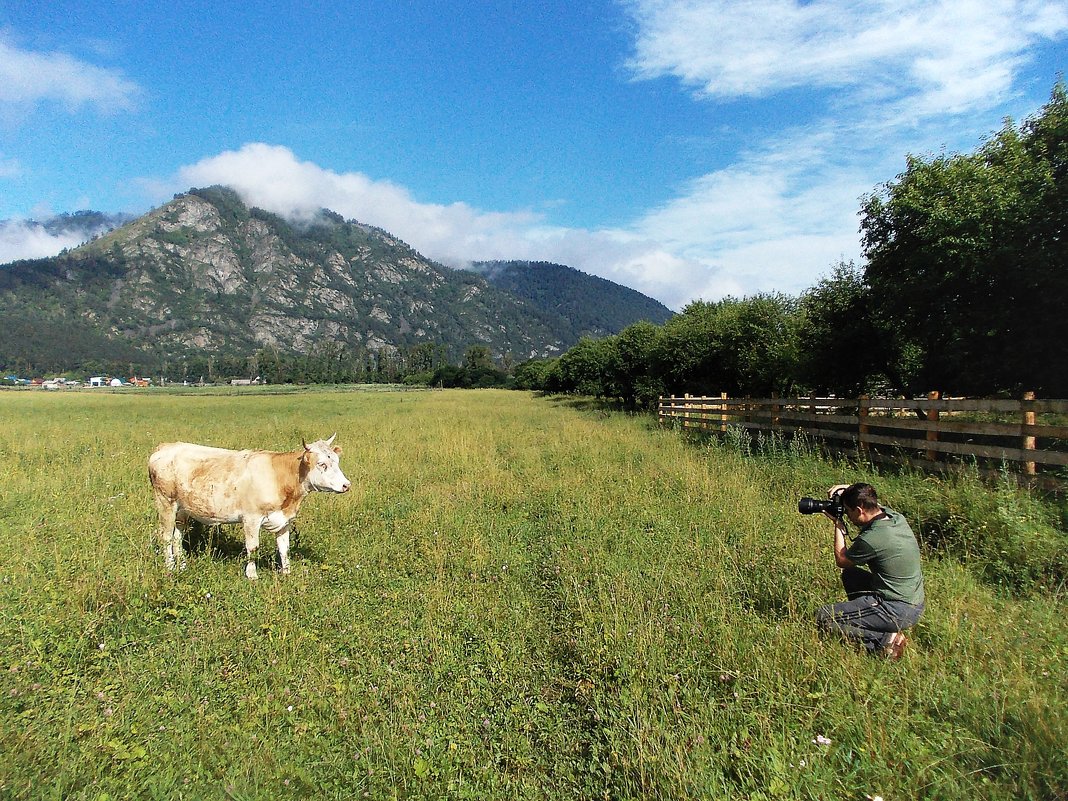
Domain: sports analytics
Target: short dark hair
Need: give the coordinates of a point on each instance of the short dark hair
(860, 496)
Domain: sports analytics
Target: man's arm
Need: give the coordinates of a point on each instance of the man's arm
(840, 557)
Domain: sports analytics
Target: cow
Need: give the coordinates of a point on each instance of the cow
(259, 489)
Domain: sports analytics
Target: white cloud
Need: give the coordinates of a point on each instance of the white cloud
(772, 221)
(944, 56)
(272, 178)
(10, 168)
(28, 77)
(27, 240)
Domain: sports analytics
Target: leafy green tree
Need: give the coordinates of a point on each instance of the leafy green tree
(966, 259)
(841, 349)
(631, 375)
(746, 346)
(478, 357)
(532, 374)
(583, 368)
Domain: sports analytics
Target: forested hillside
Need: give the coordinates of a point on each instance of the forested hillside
(589, 305)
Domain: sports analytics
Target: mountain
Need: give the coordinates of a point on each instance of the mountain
(586, 304)
(205, 275)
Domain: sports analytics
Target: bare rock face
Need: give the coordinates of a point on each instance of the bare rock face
(205, 272)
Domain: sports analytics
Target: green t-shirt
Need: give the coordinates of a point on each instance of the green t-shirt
(889, 549)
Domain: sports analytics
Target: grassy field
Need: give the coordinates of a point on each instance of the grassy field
(520, 598)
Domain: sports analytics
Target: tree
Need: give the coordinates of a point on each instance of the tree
(478, 357)
(582, 369)
(841, 351)
(632, 376)
(746, 346)
(966, 260)
(532, 374)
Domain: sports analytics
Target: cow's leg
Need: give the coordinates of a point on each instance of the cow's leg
(182, 523)
(278, 524)
(252, 542)
(169, 536)
(282, 541)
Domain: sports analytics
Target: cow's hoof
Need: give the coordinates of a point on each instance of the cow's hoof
(250, 573)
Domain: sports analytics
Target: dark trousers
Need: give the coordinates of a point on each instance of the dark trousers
(866, 618)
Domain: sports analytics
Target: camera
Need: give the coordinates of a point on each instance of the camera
(811, 506)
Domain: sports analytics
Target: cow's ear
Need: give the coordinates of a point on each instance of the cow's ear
(337, 450)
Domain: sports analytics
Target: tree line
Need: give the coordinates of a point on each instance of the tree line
(962, 291)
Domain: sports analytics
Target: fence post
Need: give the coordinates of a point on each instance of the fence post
(723, 413)
(862, 425)
(932, 434)
(774, 412)
(1028, 439)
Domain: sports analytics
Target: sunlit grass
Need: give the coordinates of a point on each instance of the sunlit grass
(519, 598)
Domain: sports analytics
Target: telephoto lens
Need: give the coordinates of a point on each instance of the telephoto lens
(810, 506)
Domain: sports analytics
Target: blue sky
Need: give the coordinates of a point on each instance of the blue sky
(686, 148)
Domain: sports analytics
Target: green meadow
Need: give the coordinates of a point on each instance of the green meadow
(520, 597)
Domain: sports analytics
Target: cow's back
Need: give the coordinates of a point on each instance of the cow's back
(209, 483)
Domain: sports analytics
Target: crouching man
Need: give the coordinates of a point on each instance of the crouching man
(880, 572)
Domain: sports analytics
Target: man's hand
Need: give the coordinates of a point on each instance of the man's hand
(830, 496)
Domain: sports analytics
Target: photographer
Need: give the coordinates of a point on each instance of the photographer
(888, 596)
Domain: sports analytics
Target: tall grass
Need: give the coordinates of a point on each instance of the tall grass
(520, 598)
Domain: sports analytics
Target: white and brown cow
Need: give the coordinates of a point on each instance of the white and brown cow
(259, 489)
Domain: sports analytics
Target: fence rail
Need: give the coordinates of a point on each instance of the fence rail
(1029, 434)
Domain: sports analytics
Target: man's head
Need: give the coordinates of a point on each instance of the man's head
(861, 502)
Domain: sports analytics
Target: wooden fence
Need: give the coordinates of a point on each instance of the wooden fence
(1028, 435)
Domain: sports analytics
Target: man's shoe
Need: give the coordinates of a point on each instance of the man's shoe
(895, 647)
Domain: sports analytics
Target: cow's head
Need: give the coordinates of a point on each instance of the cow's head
(323, 470)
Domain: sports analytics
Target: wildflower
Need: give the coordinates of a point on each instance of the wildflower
(821, 740)
(289, 708)
(101, 646)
